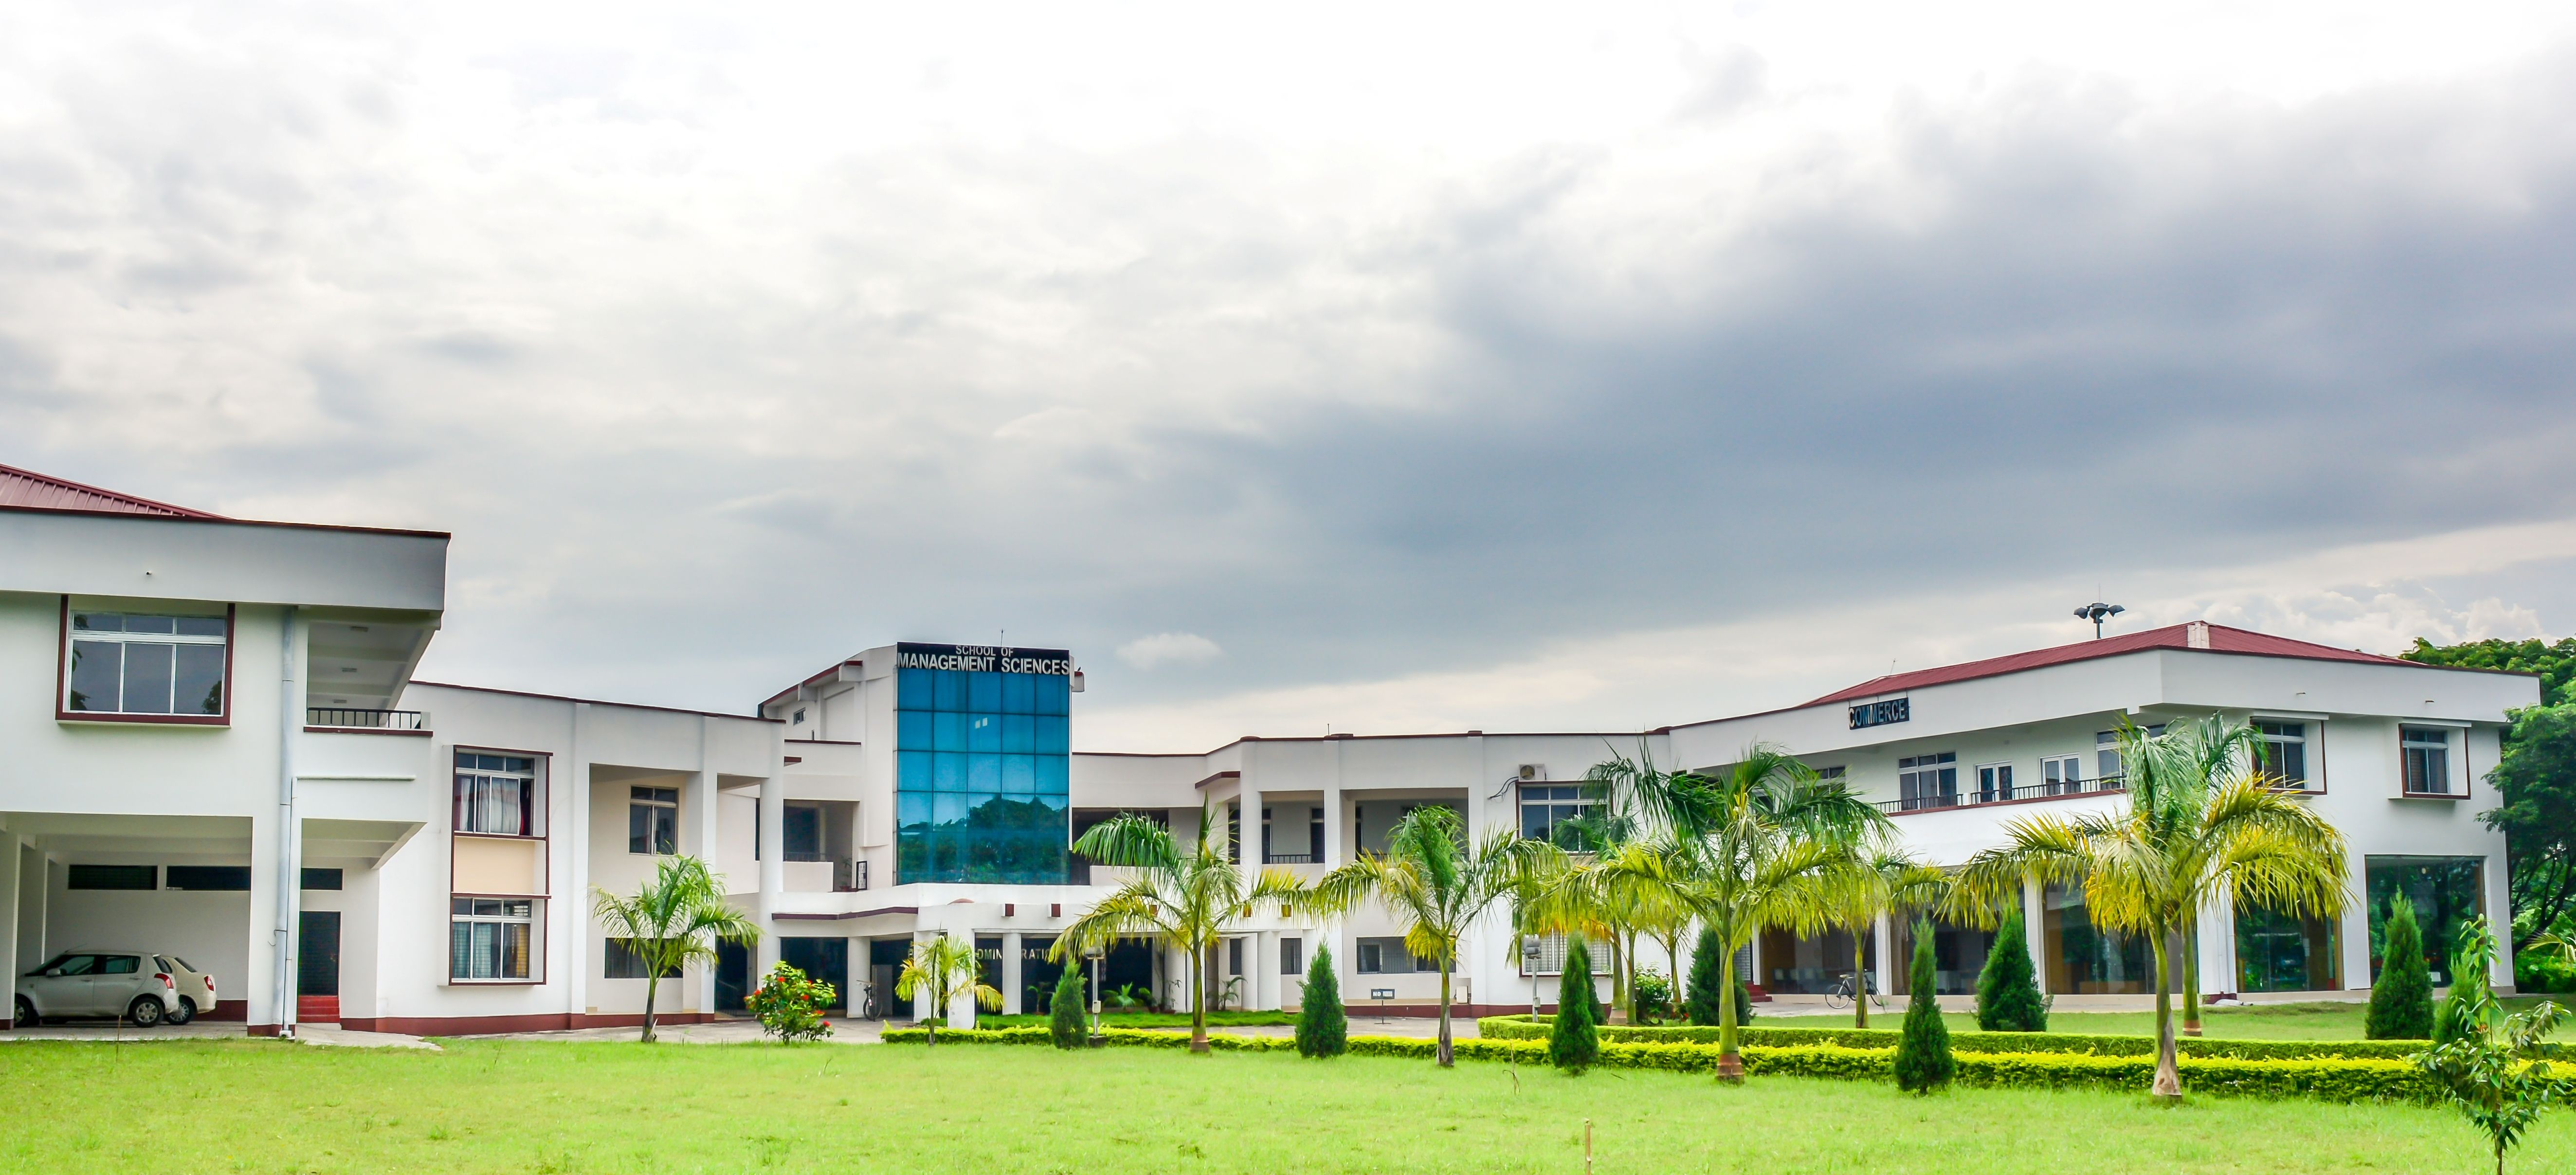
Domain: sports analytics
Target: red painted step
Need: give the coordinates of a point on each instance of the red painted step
(317, 1009)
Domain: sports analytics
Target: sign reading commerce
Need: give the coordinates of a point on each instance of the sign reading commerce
(984, 659)
(1882, 713)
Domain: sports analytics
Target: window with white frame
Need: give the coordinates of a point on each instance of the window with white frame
(2106, 752)
(137, 663)
(625, 962)
(2427, 754)
(1292, 956)
(1549, 812)
(1928, 781)
(2285, 754)
(499, 795)
(653, 821)
(1388, 956)
(1551, 957)
(2061, 775)
(491, 938)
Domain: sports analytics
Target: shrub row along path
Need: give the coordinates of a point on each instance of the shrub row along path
(582, 1107)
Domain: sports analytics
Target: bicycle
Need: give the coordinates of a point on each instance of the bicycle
(1849, 987)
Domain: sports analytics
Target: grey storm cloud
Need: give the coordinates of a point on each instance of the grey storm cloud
(697, 436)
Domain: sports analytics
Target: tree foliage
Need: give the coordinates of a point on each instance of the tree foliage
(943, 969)
(1323, 1028)
(1065, 1026)
(672, 920)
(1189, 896)
(2555, 663)
(1438, 883)
(1574, 1039)
(2008, 998)
(2535, 784)
(2197, 825)
(1923, 1060)
(1703, 998)
(2492, 1067)
(2401, 1001)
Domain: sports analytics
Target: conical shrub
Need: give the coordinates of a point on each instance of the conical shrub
(1064, 1012)
(2401, 1002)
(1323, 1030)
(1703, 1003)
(1574, 1040)
(2008, 997)
(1923, 1061)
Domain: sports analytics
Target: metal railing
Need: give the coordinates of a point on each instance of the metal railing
(849, 876)
(1289, 859)
(1973, 797)
(345, 718)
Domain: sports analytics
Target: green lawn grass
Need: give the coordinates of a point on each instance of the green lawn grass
(2323, 1021)
(220, 1106)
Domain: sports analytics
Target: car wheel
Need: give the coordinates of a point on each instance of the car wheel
(186, 1011)
(27, 1017)
(144, 1012)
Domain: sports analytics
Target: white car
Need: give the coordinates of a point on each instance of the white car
(196, 989)
(126, 985)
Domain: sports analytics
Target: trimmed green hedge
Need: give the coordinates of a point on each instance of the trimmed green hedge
(2340, 1079)
(1521, 1027)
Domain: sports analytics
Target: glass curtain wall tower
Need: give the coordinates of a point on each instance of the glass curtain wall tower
(981, 758)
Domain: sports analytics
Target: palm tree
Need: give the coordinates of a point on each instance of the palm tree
(1781, 847)
(945, 968)
(1439, 884)
(1894, 881)
(1637, 801)
(673, 920)
(2196, 826)
(1188, 897)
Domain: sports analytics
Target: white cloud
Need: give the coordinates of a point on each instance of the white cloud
(1169, 648)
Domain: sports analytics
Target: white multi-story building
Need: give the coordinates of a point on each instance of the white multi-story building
(235, 765)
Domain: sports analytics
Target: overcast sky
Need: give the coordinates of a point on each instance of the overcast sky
(1375, 367)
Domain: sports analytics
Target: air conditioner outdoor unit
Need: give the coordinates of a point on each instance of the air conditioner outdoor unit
(1531, 772)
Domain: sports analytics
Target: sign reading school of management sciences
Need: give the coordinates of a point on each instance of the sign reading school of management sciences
(984, 659)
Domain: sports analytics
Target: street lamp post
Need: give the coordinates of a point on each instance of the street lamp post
(1095, 954)
(1529, 967)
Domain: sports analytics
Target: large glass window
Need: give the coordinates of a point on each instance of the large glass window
(2446, 891)
(2277, 952)
(1795, 965)
(2427, 752)
(2061, 775)
(2085, 960)
(1550, 812)
(499, 795)
(800, 828)
(1958, 955)
(1388, 956)
(1928, 781)
(491, 938)
(2285, 758)
(981, 764)
(127, 663)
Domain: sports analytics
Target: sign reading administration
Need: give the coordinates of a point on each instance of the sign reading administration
(984, 659)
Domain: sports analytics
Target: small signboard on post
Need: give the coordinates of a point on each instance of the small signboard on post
(1384, 997)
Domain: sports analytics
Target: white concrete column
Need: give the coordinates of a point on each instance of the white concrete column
(921, 1007)
(698, 839)
(773, 867)
(260, 986)
(1336, 816)
(2217, 948)
(9, 921)
(1248, 804)
(1265, 971)
(2356, 927)
(2034, 926)
(30, 866)
(1014, 1001)
(1883, 969)
(568, 908)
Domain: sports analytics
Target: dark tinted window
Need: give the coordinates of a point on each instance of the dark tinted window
(72, 964)
(233, 877)
(321, 879)
(121, 965)
(115, 877)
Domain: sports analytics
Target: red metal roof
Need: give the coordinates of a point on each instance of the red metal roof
(35, 491)
(2222, 639)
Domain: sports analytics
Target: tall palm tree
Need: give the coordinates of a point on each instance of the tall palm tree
(1188, 896)
(943, 969)
(1894, 882)
(673, 919)
(1781, 847)
(1438, 883)
(2196, 825)
(1636, 801)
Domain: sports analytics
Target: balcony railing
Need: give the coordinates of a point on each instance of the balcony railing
(1289, 859)
(1973, 797)
(343, 718)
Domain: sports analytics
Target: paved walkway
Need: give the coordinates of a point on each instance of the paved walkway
(727, 1031)
(325, 1036)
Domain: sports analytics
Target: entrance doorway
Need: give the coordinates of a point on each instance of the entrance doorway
(826, 959)
(885, 961)
(733, 976)
(317, 967)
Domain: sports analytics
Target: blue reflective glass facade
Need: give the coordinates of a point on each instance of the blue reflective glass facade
(981, 757)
